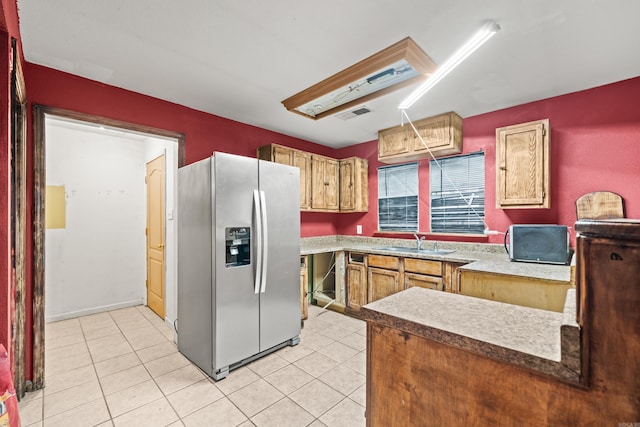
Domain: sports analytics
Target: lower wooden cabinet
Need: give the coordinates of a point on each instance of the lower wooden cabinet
(370, 277)
(382, 283)
(356, 286)
(518, 290)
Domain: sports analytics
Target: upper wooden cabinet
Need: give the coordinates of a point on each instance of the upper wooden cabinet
(442, 134)
(324, 183)
(291, 157)
(522, 166)
(354, 185)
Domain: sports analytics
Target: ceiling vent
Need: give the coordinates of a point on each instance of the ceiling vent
(353, 113)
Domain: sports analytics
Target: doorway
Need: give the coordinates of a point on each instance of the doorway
(110, 193)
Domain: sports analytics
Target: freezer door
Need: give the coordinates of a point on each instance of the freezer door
(280, 293)
(236, 314)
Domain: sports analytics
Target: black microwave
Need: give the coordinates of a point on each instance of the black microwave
(539, 243)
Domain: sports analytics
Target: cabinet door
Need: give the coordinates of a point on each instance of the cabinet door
(393, 142)
(435, 132)
(318, 171)
(347, 187)
(282, 155)
(522, 165)
(332, 178)
(354, 185)
(382, 283)
(302, 160)
(356, 286)
(423, 281)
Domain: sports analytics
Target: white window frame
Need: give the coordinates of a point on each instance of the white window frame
(456, 206)
(397, 182)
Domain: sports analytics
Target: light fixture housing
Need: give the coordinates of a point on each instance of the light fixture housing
(399, 65)
(485, 33)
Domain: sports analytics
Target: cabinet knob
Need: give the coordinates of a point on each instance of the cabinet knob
(503, 168)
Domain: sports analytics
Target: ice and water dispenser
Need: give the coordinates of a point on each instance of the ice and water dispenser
(238, 246)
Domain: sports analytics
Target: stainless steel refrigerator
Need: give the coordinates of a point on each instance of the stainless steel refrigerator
(238, 260)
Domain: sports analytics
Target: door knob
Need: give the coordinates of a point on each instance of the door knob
(160, 245)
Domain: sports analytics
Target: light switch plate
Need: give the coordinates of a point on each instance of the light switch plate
(358, 229)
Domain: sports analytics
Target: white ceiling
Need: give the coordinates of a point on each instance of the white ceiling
(240, 59)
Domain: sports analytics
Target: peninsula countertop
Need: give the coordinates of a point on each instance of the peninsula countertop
(523, 336)
(483, 257)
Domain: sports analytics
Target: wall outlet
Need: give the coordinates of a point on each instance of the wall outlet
(358, 229)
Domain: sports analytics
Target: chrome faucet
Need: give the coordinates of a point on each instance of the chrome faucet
(435, 246)
(419, 240)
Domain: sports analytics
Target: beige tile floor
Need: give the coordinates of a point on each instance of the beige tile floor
(121, 368)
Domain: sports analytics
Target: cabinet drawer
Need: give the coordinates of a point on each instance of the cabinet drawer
(384, 261)
(423, 281)
(424, 266)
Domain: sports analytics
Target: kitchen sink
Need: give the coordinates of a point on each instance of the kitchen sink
(418, 251)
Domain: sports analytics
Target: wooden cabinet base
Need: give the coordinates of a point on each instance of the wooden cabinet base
(518, 290)
(412, 381)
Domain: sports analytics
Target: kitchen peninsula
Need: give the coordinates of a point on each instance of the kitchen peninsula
(444, 359)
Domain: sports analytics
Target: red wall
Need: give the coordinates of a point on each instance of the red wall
(595, 145)
(204, 133)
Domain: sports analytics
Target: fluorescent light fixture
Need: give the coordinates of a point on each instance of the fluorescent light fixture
(399, 65)
(485, 33)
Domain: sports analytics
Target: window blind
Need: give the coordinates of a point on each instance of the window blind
(398, 197)
(457, 194)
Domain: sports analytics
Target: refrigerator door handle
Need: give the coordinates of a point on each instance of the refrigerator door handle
(258, 237)
(265, 241)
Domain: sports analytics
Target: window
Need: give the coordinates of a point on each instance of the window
(457, 194)
(398, 197)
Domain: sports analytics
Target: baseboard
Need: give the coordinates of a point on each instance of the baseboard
(93, 310)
